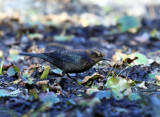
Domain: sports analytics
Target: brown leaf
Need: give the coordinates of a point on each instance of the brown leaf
(92, 77)
(157, 77)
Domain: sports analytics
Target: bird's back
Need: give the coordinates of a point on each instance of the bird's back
(71, 61)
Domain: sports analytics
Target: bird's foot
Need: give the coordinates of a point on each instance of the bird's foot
(73, 79)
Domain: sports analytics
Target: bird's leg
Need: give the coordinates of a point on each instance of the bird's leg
(79, 75)
(69, 76)
(73, 79)
(63, 73)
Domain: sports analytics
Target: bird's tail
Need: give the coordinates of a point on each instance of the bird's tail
(38, 55)
(31, 54)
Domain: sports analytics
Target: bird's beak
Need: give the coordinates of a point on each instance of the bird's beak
(105, 58)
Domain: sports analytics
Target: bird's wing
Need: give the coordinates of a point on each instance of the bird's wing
(68, 57)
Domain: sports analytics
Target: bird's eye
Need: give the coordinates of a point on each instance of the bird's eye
(96, 54)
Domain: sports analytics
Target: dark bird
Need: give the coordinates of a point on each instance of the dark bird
(71, 61)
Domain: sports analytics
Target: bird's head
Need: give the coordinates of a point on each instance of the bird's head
(96, 55)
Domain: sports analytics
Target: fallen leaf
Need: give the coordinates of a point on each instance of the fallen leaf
(49, 98)
(45, 73)
(13, 70)
(92, 77)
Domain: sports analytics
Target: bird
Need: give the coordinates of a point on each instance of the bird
(71, 61)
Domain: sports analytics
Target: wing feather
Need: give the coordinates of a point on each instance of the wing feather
(67, 56)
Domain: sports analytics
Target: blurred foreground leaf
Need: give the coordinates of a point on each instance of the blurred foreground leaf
(152, 75)
(35, 36)
(134, 97)
(4, 93)
(63, 38)
(1, 53)
(49, 98)
(13, 55)
(103, 94)
(1, 66)
(126, 23)
(118, 85)
(13, 70)
(155, 34)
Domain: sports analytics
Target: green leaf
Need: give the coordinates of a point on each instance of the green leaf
(142, 59)
(49, 98)
(134, 97)
(155, 34)
(33, 93)
(1, 67)
(127, 22)
(117, 85)
(45, 73)
(13, 70)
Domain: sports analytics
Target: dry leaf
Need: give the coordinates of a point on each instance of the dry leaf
(89, 78)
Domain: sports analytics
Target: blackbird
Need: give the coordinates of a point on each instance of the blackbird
(71, 61)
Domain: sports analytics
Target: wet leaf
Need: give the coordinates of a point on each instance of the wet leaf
(92, 90)
(49, 98)
(142, 59)
(45, 73)
(152, 75)
(103, 94)
(63, 38)
(13, 70)
(126, 23)
(134, 97)
(13, 55)
(3, 93)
